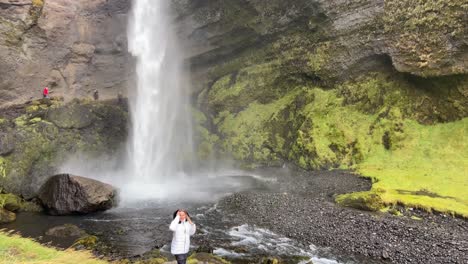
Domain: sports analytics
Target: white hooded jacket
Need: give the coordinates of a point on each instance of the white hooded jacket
(181, 237)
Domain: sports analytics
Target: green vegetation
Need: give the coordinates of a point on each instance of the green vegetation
(38, 3)
(206, 258)
(45, 134)
(15, 249)
(385, 126)
(428, 171)
(423, 33)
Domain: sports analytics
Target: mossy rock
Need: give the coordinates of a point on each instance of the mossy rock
(89, 242)
(151, 261)
(206, 258)
(10, 202)
(74, 115)
(271, 260)
(368, 201)
(6, 216)
(66, 230)
(152, 257)
(7, 143)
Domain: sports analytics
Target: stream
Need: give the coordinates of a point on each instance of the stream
(138, 227)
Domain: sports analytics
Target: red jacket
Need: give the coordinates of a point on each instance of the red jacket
(45, 91)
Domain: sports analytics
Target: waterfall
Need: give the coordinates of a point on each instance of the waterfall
(160, 139)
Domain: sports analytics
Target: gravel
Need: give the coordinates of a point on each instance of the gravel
(302, 208)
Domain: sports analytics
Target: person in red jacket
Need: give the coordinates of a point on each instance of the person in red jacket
(45, 92)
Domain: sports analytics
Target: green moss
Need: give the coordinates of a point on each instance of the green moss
(206, 258)
(369, 201)
(423, 33)
(11, 201)
(320, 57)
(16, 250)
(244, 133)
(235, 91)
(3, 167)
(370, 124)
(152, 261)
(88, 242)
(428, 171)
(41, 146)
(38, 3)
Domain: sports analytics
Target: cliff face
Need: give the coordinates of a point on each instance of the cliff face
(36, 138)
(73, 47)
(380, 87)
(372, 55)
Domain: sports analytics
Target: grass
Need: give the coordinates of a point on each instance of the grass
(429, 170)
(15, 249)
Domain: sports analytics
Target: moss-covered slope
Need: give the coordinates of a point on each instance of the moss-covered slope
(375, 86)
(39, 136)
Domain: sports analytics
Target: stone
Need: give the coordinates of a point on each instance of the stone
(65, 194)
(7, 144)
(50, 35)
(11, 202)
(66, 230)
(6, 216)
(86, 242)
(71, 116)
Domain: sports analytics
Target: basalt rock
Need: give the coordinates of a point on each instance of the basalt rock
(66, 194)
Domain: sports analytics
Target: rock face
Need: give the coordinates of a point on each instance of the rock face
(40, 136)
(66, 194)
(259, 69)
(73, 47)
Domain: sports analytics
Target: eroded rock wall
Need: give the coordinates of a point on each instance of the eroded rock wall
(259, 66)
(72, 46)
(38, 137)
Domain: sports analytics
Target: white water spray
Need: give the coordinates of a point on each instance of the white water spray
(161, 128)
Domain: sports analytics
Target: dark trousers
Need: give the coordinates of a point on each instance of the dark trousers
(181, 259)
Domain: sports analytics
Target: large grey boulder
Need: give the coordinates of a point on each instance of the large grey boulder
(66, 194)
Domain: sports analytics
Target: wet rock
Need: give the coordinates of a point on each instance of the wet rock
(7, 143)
(71, 116)
(271, 260)
(206, 258)
(11, 202)
(66, 230)
(385, 255)
(6, 216)
(204, 247)
(87, 242)
(66, 194)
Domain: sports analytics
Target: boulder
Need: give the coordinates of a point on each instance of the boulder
(6, 216)
(66, 230)
(65, 194)
(10, 202)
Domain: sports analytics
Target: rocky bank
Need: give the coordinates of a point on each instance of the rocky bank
(303, 209)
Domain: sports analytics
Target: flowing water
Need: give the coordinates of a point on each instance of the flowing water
(160, 141)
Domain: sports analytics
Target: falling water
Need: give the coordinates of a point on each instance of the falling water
(161, 131)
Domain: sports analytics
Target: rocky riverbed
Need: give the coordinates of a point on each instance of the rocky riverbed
(303, 209)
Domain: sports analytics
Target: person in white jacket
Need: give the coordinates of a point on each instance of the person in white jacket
(183, 228)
